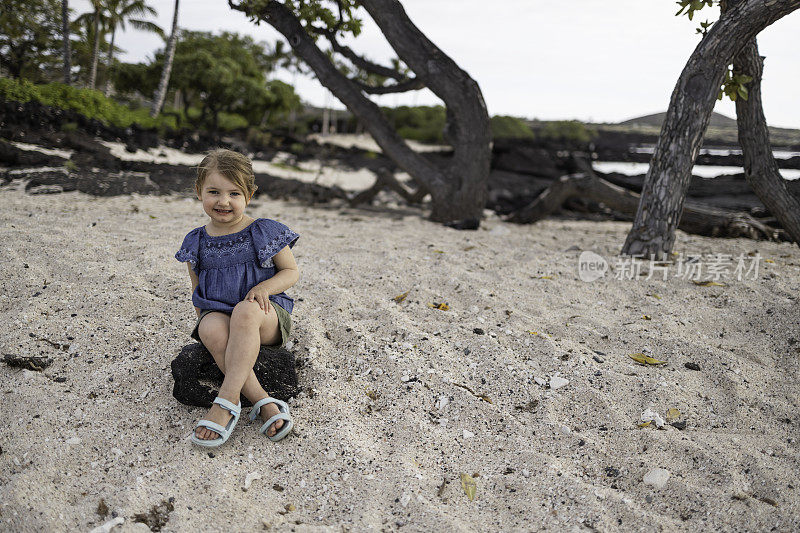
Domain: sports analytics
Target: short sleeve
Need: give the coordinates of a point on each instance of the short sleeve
(269, 238)
(189, 248)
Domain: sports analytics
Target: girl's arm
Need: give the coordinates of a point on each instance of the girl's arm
(285, 276)
(195, 281)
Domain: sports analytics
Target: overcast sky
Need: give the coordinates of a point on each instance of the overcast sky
(578, 59)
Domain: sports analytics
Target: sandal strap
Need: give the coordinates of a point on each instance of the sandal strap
(285, 429)
(230, 406)
(256, 410)
(279, 416)
(213, 426)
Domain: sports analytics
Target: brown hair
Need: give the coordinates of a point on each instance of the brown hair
(232, 165)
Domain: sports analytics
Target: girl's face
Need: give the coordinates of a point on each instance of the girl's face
(222, 200)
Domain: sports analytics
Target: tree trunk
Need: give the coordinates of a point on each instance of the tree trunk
(169, 55)
(65, 39)
(696, 218)
(465, 192)
(760, 167)
(458, 191)
(95, 50)
(659, 211)
(110, 62)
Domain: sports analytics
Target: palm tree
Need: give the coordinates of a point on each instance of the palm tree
(169, 55)
(94, 23)
(121, 12)
(65, 38)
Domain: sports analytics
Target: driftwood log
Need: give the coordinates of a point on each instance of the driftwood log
(696, 218)
(384, 179)
(197, 376)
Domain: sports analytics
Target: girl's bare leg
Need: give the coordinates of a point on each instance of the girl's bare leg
(234, 342)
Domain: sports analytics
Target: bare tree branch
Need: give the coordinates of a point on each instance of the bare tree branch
(412, 84)
(357, 60)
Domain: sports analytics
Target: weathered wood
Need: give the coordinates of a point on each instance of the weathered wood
(384, 179)
(691, 104)
(31, 362)
(696, 218)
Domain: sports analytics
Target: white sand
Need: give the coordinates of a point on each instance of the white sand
(365, 141)
(113, 431)
(313, 171)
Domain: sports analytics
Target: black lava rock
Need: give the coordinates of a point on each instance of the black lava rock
(274, 368)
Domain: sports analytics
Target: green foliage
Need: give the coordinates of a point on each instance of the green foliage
(335, 15)
(566, 130)
(507, 127)
(691, 6)
(224, 73)
(30, 38)
(734, 85)
(703, 29)
(89, 103)
(421, 123)
(256, 137)
(231, 121)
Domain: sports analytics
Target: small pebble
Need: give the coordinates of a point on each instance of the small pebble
(404, 499)
(249, 478)
(108, 526)
(557, 382)
(692, 366)
(73, 440)
(657, 477)
(598, 359)
(477, 331)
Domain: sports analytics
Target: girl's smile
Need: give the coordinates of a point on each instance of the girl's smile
(223, 202)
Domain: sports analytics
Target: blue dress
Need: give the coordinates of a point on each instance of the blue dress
(228, 266)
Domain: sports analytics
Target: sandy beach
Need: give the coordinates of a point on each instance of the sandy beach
(401, 402)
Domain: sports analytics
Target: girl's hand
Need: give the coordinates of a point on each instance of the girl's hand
(259, 295)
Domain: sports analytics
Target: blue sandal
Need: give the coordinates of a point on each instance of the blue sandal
(283, 415)
(224, 432)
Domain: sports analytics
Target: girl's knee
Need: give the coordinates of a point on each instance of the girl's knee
(214, 334)
(247, 312)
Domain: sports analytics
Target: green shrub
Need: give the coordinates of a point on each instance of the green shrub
(566, 130)
(256, 137)
(420, 123)
(87, 102)
(507, 127)
(231, 121)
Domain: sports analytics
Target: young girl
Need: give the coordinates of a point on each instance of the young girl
(239, 267)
